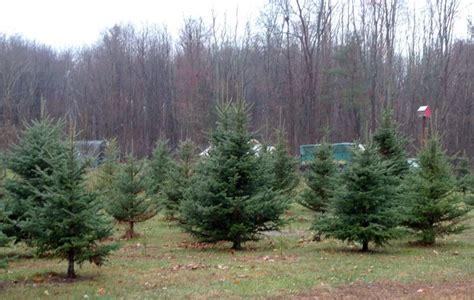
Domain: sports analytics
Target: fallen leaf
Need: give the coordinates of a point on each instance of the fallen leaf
(46, 293)
(101, 291)
(37, 278)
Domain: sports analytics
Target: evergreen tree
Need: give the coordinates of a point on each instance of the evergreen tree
(464, 177)
(231, 197)
(364, 209)
(3, 175)
(69, 223)
(4, 239)
(160, 166)
(283, 165)
(178, 179)
(4, 221)
(39, 150)
(433, 208)
(391, 145)
(130, 201)
(321, 180)
(109, 167)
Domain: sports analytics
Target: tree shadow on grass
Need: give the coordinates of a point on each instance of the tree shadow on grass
(336, 247)
(51, 278)
(439, 245)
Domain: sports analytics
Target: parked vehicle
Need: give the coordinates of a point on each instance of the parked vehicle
(342, 152)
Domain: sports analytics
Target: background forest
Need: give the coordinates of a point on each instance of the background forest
(310, 64)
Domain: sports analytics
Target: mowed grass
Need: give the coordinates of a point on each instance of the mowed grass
(167, 263)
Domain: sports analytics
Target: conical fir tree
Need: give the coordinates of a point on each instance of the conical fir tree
(283, 165)
(433, 208)
(39, 150)
(130, 201)
(231, 197)
(69, 223)
(3, 175)
(321, 180)
(179, 176)
(364, 210)
(391, 145)
(4, 239)
(4, 221)
(108, 169)
(160, 166)
(464, 177)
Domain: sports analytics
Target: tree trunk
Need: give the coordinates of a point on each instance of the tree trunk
(71, 273)
(365, 246)
(130, 233)
(428, 239)
(236, 245)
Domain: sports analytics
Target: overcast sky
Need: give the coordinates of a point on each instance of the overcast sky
(64, 23)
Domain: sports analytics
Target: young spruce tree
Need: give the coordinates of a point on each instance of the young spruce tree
(391, 145)
(179, 178)
(107, 170)
(4, 239)
(231, 197)
(130, 201)
(283, 165)
(364, 209)
(433, 208)
(321, 180)
(69, 223)
(39, 151)
(160, 166)
(4, 221)
(464, 177)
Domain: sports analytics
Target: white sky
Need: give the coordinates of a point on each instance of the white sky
(64, 23)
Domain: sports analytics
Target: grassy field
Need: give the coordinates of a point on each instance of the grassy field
(167, 263)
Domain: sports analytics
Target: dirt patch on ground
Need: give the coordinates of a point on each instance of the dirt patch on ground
(395, 290)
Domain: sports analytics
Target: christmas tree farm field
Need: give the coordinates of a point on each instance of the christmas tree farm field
(165, 262)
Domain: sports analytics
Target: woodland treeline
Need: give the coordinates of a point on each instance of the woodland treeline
(310, 65)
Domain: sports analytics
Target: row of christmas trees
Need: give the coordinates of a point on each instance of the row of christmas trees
(233, 194)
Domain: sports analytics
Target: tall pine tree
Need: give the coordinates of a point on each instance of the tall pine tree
(391, 145)
(364, 209)
(231, 197)
(39, 150)
(69, 223)
(130, 202)
(433, 208)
